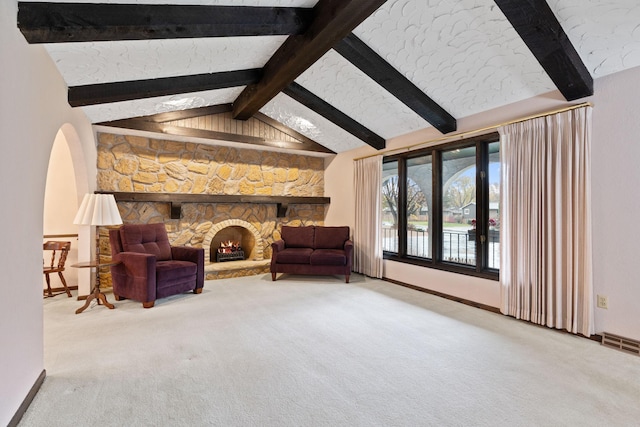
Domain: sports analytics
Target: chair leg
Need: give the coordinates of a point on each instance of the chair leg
(148, 304)
(118, 297)
(346, 278)
(273, 277)
(64, 283)
(49, 293)
(197, 291)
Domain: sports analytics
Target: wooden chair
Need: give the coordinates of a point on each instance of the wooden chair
(61, 249)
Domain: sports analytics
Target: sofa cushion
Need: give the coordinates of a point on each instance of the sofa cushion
(328, 257)
(331, 237)
(297, 237)
(147, 239)
(168, 272)
(294, 256)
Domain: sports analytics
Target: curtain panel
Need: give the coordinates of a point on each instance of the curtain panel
(546, 254)
(367, 235)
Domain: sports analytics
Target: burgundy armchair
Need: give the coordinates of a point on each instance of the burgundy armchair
(150, 267)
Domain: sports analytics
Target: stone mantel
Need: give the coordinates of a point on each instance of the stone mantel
(176, 200)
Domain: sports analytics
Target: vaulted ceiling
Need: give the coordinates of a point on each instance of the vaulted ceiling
(342, 73)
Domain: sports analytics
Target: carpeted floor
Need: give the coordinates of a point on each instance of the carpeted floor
(314, 351)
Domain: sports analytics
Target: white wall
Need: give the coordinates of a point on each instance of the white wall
(615, 193)
(615, 184)
(60, 207)
(33, 108)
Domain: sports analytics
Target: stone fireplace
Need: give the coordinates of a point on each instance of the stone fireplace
(149, 166)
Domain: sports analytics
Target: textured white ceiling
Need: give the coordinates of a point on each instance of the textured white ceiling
(309, 123)
(98, 62)
(606, 33)
(344, 86)
(160, 104)
(463, 54)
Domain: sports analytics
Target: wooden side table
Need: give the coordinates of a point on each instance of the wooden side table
(95, 293)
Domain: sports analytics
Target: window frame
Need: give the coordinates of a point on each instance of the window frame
(481, 269)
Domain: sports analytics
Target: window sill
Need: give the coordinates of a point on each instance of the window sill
(445, 266)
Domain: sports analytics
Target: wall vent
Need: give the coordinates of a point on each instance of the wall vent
(620, 343)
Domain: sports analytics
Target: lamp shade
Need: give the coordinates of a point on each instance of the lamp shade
(98, 209)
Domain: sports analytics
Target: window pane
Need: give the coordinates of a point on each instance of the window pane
(459, 205)
(494, 205)
(419, 189)
(390, 206)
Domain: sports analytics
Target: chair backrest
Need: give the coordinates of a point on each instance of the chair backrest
(144, 238)
(58, 248)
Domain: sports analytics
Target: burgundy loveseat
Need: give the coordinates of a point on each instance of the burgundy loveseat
(312, 250)
(150, 267)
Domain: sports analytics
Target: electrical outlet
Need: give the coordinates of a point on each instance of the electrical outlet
(603, 301)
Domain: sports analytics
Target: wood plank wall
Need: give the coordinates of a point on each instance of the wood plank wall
(224, 122)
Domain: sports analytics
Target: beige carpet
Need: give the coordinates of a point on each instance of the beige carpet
(314, 351)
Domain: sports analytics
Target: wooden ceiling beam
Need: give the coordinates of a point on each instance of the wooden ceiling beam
(313, 102)
(369, 62)
(83, 22)
(542, 33)
(103, 93)
(333, 20)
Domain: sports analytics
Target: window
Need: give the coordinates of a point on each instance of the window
(441, 206)
(390, 206)
(418, 200)
(458, 183)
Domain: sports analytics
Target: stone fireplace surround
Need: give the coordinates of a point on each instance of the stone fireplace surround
(234, 230)
(144, 165)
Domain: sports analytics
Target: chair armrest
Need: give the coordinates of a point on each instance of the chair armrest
(277, 246)
(135, 264)
(135, 276)
(188, 253)
(195, 255)
(348, 251)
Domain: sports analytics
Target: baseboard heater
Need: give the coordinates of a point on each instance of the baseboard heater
(627, 345)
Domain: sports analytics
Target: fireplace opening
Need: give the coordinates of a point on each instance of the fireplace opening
(232, 243)
(229, 251)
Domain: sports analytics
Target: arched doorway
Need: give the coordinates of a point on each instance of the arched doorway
(66, 184)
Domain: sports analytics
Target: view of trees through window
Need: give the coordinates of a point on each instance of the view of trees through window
(419, 191)
(459, 205)
(390, 191)
(459, 227)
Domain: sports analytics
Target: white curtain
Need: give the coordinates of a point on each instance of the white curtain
(367, 235)
(546, 266)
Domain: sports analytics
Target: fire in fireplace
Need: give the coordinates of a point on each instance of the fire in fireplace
(229, 251)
